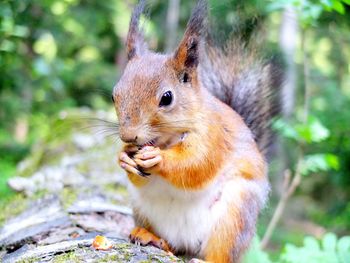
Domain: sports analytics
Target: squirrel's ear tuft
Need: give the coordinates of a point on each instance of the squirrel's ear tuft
(135, 43)
(187, 54)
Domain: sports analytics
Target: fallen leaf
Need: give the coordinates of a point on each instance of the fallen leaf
(101, 243)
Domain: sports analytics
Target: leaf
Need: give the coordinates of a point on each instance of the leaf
(319, 162)
(344, 244)
(329, 242)
(312, 131)
(290, 253)
(318, 131)
(255, 254)
(275, 6)
(20, 31)
(338, 6)
(343, 247)
(333, 161)
(331, 251)
(311, 243)
(285, 129)
(327, 3)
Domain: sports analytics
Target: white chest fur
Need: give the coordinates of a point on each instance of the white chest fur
(183, 218)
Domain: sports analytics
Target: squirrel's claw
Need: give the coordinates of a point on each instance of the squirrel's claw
(129, 169)
(142, 172)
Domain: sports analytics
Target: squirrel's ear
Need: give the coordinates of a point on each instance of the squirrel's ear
(135, 43)
(187, 54)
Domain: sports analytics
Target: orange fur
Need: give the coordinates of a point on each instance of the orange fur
(196, 162)
(223, 240)
(137, 180)
(191, 165)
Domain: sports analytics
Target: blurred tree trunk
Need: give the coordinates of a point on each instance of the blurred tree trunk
(286, 184)
(172, 23)
(288, 40)
(21, 129)
(289, 31)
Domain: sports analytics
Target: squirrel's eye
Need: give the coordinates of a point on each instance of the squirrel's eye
(166, 99)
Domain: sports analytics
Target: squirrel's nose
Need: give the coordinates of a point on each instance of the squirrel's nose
(128, 137)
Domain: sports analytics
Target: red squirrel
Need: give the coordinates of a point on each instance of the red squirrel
(195, 124)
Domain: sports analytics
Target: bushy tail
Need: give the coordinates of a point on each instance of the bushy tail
(251, 86)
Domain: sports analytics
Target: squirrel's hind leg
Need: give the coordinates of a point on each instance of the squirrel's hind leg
(232, 234)
(144, 237)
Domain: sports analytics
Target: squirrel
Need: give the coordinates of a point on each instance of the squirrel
(195, 127)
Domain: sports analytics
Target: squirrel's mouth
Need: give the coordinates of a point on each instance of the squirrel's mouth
(152, 142)
(165, 142)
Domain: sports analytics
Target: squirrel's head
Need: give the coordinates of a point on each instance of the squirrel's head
(157, 96)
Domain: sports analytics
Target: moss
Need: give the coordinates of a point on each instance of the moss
(123, 246)
(116, 189)
(123, 256)
(16, 204)
(39, 194)
(68, 197)
(83, 168)
(123, 253)
(153, 258)
(67, 257)
(12, 207)
(51, 146)
(158, 258)
(111, 258)
(127, 257)
(29, 260)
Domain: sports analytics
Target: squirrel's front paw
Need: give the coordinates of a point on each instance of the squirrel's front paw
(148, 157)
(129, 165)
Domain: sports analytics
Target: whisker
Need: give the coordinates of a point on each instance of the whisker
(105, 93)
(101, 131)
(102, 121)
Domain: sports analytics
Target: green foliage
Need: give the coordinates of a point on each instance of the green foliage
(329, 250)
(7, 169)
(324, 137)
(255, 254)
(310, 132)
(314, 163)
(313, 131)
(51, 58)
(311, 10)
